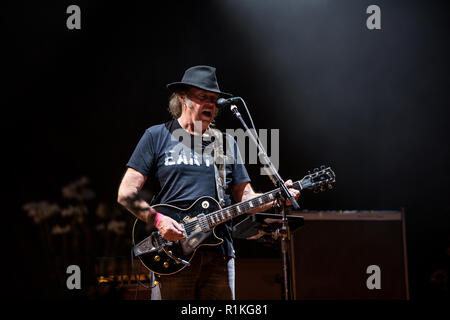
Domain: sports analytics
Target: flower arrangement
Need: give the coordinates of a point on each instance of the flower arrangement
(80, 229)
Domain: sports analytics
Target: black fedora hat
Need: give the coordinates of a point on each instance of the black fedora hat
(202, 77)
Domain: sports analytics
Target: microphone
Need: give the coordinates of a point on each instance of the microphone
(221, 102)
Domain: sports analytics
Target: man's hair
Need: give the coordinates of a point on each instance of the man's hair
(175, 107)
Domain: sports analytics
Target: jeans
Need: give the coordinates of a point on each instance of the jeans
(209, 277)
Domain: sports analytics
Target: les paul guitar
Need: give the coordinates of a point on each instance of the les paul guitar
(199, 221)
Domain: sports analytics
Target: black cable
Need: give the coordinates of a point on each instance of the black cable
(138, 276)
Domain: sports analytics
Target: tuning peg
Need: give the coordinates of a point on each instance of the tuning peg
(309, 172)
(322, 167)
(316, 169)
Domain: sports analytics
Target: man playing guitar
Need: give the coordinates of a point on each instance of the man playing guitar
(184, 173)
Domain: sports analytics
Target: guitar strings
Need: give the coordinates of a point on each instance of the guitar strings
(233, 209)
(190, 226)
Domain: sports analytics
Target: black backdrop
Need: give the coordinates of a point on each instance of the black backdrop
(372, 104)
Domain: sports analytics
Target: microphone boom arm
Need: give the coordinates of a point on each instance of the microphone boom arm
(273, 173)
(285, 230)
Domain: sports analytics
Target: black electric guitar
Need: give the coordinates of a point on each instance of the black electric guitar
(199, 221)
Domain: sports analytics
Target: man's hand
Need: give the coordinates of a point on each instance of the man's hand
(130, 186)
(169, 228)
(244, 192)
(295, 193)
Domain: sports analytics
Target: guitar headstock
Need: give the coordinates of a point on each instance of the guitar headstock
(320, 179)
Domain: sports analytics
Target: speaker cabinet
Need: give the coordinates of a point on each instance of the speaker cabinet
(353, 255)
(334, 256)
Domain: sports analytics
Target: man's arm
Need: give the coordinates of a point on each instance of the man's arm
(244, 192)
(128, 196)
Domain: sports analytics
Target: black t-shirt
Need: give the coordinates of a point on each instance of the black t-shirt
(183, 171)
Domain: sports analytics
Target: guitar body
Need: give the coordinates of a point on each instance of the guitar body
(154, 252)
(199, 222)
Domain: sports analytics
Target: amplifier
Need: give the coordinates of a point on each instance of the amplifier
(335, 255)
(350, 255)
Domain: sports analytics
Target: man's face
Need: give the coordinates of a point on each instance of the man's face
(202, 105)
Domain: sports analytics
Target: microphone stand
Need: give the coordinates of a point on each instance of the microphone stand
(282, 196)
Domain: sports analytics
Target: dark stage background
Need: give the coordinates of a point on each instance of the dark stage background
(370, 103)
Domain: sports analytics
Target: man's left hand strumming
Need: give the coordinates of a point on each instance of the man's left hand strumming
(244, 192)
(294, 192)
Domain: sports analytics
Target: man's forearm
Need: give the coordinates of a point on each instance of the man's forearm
(139, 207)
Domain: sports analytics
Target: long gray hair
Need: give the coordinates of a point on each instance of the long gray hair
(175, 106)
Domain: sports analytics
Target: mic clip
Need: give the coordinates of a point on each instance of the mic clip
(235, 110)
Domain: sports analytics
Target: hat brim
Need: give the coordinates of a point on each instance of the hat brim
(175, 85)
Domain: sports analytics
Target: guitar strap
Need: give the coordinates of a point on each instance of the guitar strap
(219, 164)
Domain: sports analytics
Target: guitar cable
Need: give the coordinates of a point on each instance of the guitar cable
(138, 276)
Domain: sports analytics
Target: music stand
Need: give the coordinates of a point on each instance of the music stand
(267, 226)
(258, 225)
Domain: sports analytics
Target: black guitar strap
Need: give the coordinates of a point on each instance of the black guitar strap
(219, 164)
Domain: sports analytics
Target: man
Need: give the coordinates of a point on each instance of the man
(184, 174)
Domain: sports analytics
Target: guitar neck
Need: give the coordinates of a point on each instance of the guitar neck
(223, 215)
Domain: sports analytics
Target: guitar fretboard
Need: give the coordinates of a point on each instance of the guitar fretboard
(235, 210)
